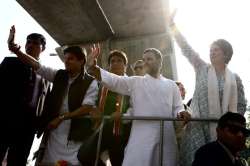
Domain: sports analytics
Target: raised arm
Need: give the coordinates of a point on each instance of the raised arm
(119, 84)
(46, 72)
(186, 49)
(15, 48)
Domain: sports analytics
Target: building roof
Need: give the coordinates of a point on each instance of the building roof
(87, 21)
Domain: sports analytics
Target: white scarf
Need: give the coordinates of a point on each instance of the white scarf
(229, 99)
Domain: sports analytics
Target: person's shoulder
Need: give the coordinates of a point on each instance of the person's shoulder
(10, 60)
(61, 72)
(211, 144)
(13, 63)
(205, 155)
(204, 68)
(239, 82)
(237, 78)
(209, 147)
(168, 81)
(134, 78)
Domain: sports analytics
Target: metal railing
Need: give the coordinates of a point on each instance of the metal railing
(147, 118)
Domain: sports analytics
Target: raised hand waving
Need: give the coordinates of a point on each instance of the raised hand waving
(11, 43)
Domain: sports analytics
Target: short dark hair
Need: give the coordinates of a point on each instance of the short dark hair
(77, 51)
(37, 36)
(226, 47)
(119, 54)
(155, 51)
(229, 118)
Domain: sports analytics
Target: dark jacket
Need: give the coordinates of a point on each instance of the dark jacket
(80, 127)
(213, 154)
(16, 92)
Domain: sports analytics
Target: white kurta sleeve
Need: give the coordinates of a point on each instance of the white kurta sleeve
(91, 94)
(177, 101)
(119, 84)
(47, 72)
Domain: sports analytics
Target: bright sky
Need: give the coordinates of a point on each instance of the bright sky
(13, 14)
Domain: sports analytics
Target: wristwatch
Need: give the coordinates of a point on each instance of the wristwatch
(61, 117)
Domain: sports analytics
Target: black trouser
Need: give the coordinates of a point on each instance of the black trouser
(114, 145)
(18, 145)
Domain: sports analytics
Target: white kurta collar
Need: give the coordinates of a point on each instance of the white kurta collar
(149, 76)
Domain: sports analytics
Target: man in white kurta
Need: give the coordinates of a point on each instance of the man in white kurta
(58, 146)
(151, 96)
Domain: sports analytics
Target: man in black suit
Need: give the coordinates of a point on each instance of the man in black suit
(21, 96)
(231, 138)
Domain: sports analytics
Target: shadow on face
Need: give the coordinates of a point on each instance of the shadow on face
(34, 47)
(72, 63)
(233, 136)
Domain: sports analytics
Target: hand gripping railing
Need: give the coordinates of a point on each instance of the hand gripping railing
(161, 119)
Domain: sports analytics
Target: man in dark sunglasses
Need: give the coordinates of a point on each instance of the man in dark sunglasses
(231, 138)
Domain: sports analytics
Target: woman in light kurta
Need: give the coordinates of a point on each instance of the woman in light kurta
(217, 90)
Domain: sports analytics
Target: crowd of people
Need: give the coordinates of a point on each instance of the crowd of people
(39, 100)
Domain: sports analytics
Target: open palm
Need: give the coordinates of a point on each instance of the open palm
(95, 52)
